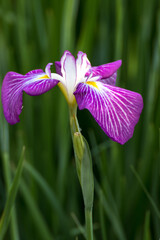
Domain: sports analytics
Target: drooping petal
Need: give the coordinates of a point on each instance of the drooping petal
(106, 70)
(35, 82)
(36, 71)
(38, 84)
(116, 110)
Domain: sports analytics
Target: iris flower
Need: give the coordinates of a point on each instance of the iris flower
(115, 109)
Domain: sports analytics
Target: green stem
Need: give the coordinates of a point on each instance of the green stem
(75, 131)
(73, 120)
(80, 154)
(89, 226)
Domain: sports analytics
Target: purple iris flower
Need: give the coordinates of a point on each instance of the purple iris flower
(115, 109)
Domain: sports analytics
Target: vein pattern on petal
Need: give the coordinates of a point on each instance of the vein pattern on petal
(116, 110)
(110, 80)
(105, 70)
(35, 82)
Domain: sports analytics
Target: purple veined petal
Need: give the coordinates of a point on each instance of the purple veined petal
(35, 82)
(58, 67)
(110, 80)
(39, 86)
(36, 71)
(106, 70)
(115, 109)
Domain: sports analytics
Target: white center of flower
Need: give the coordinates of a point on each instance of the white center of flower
(73, 72)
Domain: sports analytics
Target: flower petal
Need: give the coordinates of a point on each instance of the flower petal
(68, 70)
(37, 84)
(48, 70)
(34, 82)
(106, 70)
(83, 65)
(115, 109)
(58, 67)
(110, 80)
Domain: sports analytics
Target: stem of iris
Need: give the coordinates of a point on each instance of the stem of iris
(84, 168)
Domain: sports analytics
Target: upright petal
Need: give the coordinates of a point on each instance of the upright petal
(116, 110)
(68, 70)
(83, 65)
(106, 70)
(48, 69)
(35, 82)
(58, 67)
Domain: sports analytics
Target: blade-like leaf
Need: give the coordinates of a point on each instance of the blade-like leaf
(11, 197)
(47, 191)
(87, 181)
(146, 192)
(147, 233)
(37, 218)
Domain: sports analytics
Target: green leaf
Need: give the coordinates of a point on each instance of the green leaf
(111, 212)
(152, 202)
(87, 181)
(147, 234)
(84, 168)
(51, 196)
(37, 218)
(68, 24)
(79, 229)
(78, 152)
(11, 198)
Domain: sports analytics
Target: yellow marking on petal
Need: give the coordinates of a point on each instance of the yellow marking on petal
(63, 89)
(71, 100)
(43, 77)
(94, 84)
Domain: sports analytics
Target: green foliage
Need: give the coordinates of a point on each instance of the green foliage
(49, 204)
(4, 221)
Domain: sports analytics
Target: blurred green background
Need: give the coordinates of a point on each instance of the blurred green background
(49, 203)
